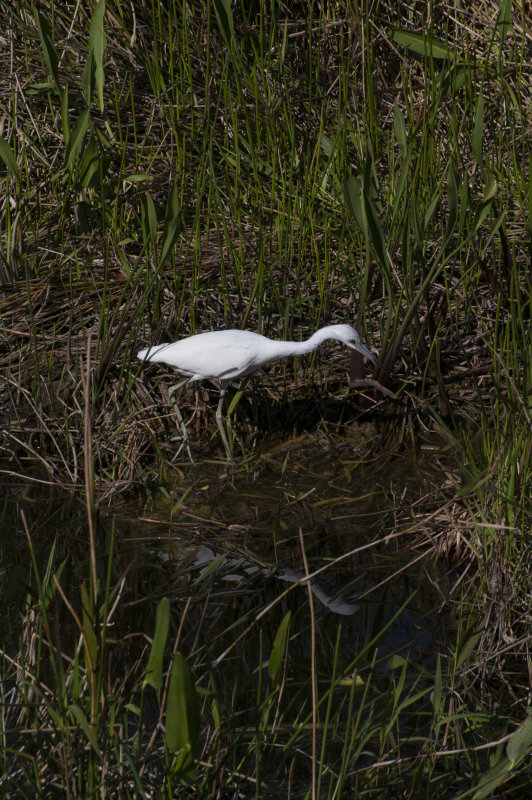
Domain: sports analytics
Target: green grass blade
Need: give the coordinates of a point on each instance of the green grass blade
(89, 634)
(478, 130)
(97, 44)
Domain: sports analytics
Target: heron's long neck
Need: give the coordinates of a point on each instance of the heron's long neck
(301, 348)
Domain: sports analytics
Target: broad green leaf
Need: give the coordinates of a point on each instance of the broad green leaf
(401, 184)
(454, 78)
(452, 202)
(520, 745)
(87, 80)
(88, 165)
(464, 205)
(437, 692)
(436, 197)
(409, 698)
(494, 228)
(358, 681)
(83, 723)
(275, 662)
(97, 42)
(422, 44)
(400, 130)
(369, 175)
(471, 487)
(182, 708)
(487, 200)
(57, 717)
(491, 189)
(504, 20)
(492, 778)
(48, 584)
(8, 157)
(138, 177)
(377, 234)
(149, 221)
(224, 15)
(154, 670)
(466, 649)
(216, 710)
(171, 223)
(77, 683)
(462, 74)
(50, 53)
(76, 138)
(415, 224)
(354, 202)
(396, 661)
(326, 145)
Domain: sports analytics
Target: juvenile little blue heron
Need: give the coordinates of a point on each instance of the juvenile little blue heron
(227, 355)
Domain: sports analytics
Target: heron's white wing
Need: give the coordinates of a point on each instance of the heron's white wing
(221, 355)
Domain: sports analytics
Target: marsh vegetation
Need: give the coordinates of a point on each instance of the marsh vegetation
(343, 610)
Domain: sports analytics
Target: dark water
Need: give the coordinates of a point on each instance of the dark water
(233, 543)
(230, 546)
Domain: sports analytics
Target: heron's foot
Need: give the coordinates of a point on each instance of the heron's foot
(180, 423)
(183, 444)
(185, 441)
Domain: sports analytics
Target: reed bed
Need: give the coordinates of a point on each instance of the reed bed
(169, 168)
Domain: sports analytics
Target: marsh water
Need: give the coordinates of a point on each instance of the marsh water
(235, 548)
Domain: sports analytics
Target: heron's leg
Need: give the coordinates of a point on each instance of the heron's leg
(186, 441)
(219, 422)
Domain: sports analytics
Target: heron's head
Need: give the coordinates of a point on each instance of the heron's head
(349, 336)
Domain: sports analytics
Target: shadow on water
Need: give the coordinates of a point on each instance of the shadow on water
(235, 549)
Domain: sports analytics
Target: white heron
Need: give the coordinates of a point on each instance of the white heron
(227, 355)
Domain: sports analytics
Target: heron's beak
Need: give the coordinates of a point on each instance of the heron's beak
(361, 348)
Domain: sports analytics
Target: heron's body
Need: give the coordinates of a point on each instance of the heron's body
(228, 355)
(218, 355)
